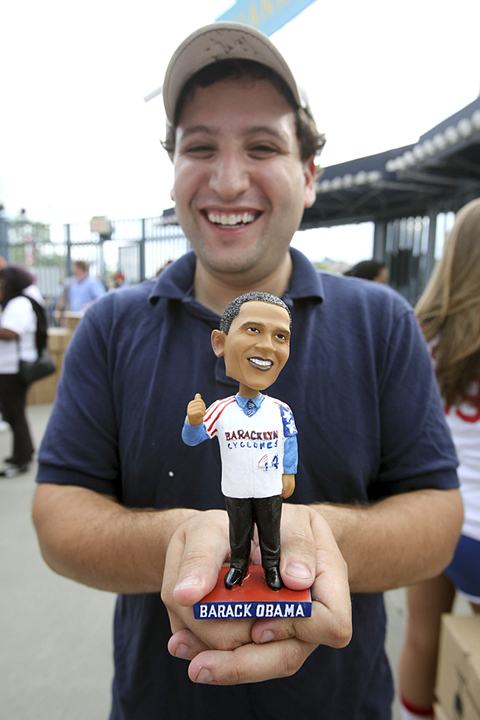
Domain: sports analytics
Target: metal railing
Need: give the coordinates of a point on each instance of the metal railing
(138, 249)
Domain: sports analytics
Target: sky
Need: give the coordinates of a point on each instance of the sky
(78, 140)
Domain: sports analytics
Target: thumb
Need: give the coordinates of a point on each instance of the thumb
(198, 397)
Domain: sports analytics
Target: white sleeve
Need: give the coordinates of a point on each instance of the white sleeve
(19, 316)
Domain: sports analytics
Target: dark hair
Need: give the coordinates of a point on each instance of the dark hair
(310, 140)
(233, 309)
(366, 269)
(82, 265)
(13, 281)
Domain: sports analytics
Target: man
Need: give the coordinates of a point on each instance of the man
(257, 434)
(119, 281)
(121, 506)
(84, 289)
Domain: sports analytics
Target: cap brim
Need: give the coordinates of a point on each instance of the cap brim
(221, 41)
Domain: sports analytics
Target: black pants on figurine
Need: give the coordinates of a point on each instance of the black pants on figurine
(243, 513)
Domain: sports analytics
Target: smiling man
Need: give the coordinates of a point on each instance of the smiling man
(258, 465)
(124, 506)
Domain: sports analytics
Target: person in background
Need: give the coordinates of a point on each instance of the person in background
(62, 298)
(4, 426)
(449, 313)
(121, 505)
(369, 270)
(119, 281)
(84, 289)
(18, 324)
(31, 291)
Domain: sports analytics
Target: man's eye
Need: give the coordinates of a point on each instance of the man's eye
(200, 151)
(253, 330)
(261, 151)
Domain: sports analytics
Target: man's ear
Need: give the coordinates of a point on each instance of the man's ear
(309, 173)
(218, 342)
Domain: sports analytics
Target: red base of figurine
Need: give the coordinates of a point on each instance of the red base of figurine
(253, 599)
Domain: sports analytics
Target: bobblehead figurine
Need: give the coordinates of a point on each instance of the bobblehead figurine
(257, 434)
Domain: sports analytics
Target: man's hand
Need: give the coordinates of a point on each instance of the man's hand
(228, 652)
(195, 411)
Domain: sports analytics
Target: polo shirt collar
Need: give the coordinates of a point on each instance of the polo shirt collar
(176, 281)
(306, 281)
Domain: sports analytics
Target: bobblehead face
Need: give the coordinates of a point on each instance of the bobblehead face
(257, 346)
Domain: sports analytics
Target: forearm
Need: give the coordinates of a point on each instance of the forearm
(7, 334)
(396, 541)
(91, 538)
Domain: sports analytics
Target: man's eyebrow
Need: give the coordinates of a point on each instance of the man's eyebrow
(266, 129)
(198, 129)
(251, 130)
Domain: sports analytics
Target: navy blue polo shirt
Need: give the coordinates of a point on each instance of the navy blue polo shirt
(370, 424)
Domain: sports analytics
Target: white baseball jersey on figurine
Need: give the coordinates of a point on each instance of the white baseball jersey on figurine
(251, 448)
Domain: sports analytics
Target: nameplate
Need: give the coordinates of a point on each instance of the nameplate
(253, 599)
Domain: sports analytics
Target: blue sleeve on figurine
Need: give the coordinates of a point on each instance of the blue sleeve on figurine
(289, 428)
(194, 435)
(290, 455)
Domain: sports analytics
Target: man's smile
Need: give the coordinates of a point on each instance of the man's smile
(231, 219)
(260, 363)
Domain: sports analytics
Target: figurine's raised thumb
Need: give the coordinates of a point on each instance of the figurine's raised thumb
(197, 396)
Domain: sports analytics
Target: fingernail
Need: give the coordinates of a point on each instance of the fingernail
(182, 652)
(298, 571)
(267, 636)
(204, 677)
(189, 582)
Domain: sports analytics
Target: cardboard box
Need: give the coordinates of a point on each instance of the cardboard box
(58, 339)
(458, 674)
(71, 319)
(45, 391)
(472, 681)
(439, 713)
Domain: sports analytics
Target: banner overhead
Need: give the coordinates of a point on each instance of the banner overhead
(265, 15)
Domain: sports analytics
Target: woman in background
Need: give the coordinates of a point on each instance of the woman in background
(18, 325)
(449, 313)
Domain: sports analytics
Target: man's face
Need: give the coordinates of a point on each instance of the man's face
(240, 186)
(79, 272)
(257, 346)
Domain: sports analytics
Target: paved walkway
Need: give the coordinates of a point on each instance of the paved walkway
(55, 635)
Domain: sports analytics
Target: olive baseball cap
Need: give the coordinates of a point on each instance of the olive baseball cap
(222, 41)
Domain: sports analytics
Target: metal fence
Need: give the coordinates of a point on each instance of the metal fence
(141, 248)
(409, 246)
(137, 248)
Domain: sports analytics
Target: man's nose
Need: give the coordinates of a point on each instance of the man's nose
(265, 341)
(230, 177)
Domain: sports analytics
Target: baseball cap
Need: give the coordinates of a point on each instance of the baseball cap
(222, 41)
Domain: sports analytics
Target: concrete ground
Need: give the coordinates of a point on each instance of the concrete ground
(55, 635)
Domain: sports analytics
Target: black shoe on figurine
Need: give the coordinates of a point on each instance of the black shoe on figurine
(273, 578)
(234, 577)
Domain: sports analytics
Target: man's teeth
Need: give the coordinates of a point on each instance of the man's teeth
(262, 364)
(232, 219)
